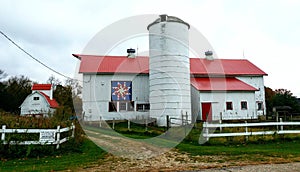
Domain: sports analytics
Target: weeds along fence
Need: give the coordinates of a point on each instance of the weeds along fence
(45, 136)
(278, 129)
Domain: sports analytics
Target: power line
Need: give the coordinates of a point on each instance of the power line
(37, 60)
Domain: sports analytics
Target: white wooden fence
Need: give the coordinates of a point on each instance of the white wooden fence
(279, 129)
(47, 136)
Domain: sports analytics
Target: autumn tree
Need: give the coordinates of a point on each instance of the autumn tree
(281, 97)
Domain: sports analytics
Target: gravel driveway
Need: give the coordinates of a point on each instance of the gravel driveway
(288, 167)
(172, 160)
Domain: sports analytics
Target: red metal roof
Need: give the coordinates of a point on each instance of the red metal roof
(113, 64)
(224, 66)
(122, 64)
(41, 87)
(53, 103)
(220, 84)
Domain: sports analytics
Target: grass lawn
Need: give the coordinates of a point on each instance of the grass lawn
(280, 148)
(278, 151)
(90, 155)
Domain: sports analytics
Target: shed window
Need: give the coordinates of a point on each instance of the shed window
(244, 105)
(36, 98)
(229, 106)
(259, 106)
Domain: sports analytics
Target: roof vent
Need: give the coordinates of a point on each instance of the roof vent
(163, 17)
(131, 53)
(209, 55)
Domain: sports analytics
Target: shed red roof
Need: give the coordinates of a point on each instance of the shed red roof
(220, 84)
(122, 64)
(53, 103)
(41, 87)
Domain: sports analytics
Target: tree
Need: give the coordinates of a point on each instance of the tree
(284, 97)
(63, 95)
(2, 74)
(54, 81)
(13, 92)
(269, 94)
(281, 97)
(76, 87)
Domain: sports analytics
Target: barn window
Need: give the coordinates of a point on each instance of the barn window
(143, 107)
(229, 106)
(122, 106)
(130, 106)
(36, 98)
(244, 105)
(116, 106)
(112, 107)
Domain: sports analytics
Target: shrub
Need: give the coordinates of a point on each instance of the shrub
(23, 151)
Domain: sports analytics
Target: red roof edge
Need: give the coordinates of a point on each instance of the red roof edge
(221, 84)
(41, 87)
(53, 103)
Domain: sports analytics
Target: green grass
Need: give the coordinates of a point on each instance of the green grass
(89, 155)
(279, 148)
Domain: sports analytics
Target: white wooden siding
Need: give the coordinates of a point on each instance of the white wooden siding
(97, 95)
(257, 82)
(219, 99)
(30, 106)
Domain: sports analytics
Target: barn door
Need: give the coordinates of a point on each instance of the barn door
(206, 111)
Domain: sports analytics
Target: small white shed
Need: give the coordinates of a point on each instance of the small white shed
(40, 102)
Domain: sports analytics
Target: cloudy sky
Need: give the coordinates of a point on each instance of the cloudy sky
(265, 32)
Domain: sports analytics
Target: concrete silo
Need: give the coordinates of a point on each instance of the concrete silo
(169, 75)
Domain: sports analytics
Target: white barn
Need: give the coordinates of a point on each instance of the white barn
(168, 82)
(40, 102)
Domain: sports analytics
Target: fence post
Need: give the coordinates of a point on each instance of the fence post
(100, 121)
(247, 137)
(73, 130)
(113, 125)
(206, 131)
(277, 120)
(3, 133)
(168, 122)
(58, 137)
(281, 126)
(128, 124)
(146, 124)
(186, 118)
(220, 122)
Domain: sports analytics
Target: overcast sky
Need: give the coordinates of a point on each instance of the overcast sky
(265, 32)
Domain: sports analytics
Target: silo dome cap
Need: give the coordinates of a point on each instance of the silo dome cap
(166, 18)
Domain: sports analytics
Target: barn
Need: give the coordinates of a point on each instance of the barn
(169, 82)
(40, 102)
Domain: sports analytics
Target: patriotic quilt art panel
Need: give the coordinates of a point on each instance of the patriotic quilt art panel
(121, 90)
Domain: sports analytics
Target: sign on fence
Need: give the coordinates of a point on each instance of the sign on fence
(47, 136)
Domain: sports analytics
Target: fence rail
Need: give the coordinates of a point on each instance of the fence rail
(206, 126)
(46, 136)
